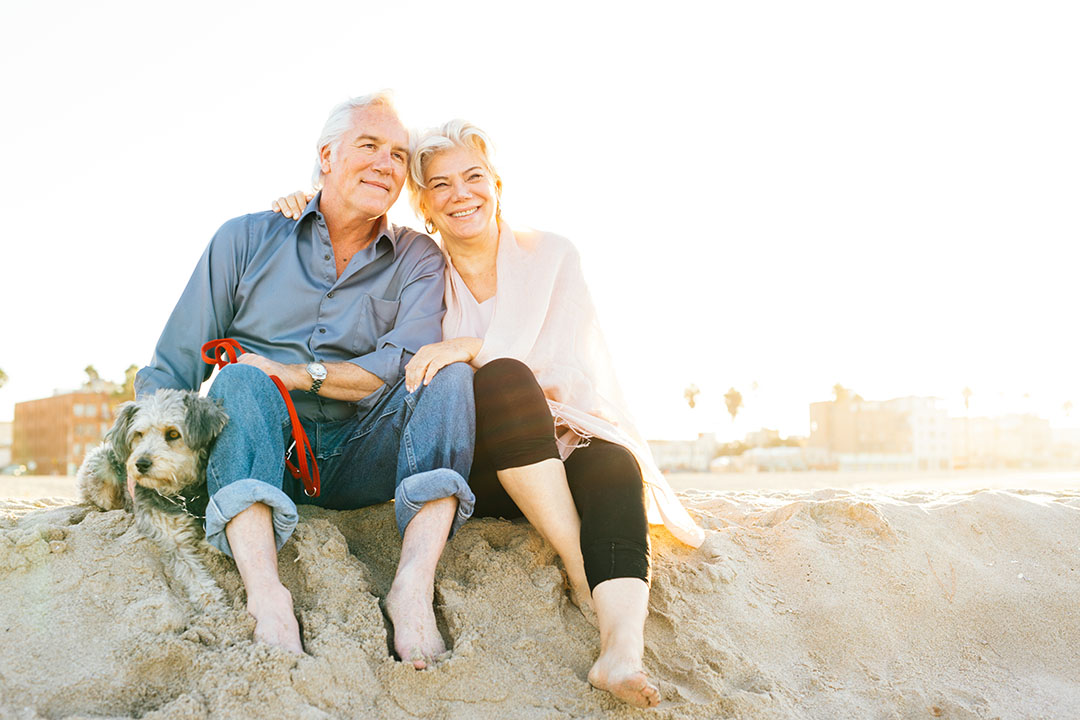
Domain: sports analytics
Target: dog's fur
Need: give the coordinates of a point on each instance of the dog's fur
(163, 441)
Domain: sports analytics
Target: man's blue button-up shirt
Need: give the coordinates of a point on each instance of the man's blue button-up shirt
(271, 284)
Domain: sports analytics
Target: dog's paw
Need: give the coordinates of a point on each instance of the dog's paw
(208, 599)
(98, 482)
(199, 634)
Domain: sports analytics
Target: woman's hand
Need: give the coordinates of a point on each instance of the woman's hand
(292, 206)
(430, 359)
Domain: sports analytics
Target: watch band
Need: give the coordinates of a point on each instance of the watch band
(317, 371)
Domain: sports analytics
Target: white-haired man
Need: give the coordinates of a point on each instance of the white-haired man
(334, 304)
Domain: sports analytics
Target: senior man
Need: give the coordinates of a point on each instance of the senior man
(334, 304)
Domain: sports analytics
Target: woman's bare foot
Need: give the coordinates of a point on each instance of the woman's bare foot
(416, 634)
(582, 599)
(625, 680)
(622, 604)
(275, 621)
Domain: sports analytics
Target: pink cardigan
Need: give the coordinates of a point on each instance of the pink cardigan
(544, 316)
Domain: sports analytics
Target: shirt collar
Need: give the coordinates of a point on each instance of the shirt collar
(386, 230)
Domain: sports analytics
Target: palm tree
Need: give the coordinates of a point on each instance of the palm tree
(733, 400)
(690, 394)
(127, 392)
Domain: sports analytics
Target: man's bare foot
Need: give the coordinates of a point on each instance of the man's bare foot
(625, 680)
(275, 622)
(416, 634)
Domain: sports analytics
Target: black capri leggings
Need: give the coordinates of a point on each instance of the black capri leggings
(514, 428)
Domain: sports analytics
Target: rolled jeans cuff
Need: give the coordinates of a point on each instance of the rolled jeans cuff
(234, 498)
(415, 490)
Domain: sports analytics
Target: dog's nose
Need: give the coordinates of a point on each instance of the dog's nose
(143, 464)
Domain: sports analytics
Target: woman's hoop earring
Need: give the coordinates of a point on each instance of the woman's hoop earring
(429, 226)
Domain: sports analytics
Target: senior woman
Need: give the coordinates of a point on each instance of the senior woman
(554, 441)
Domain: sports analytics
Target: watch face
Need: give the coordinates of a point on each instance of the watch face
(317, 370)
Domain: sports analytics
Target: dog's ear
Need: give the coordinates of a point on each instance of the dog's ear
(118, 433)
(204, 418)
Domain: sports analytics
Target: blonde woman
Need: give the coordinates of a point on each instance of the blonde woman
(554, 440)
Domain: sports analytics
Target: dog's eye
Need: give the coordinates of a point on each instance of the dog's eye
(172, 434)
(136, 436)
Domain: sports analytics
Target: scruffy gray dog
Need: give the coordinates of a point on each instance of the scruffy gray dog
(161, 443)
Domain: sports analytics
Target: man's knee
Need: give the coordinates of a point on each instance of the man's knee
(241, 380)
(454, 379)
(249, 396)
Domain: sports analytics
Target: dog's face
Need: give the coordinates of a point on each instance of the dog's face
(163, 439)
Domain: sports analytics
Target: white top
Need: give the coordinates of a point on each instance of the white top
(475, 316)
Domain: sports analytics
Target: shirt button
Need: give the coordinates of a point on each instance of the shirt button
(330, 294)
(322, 330)
(325, 257)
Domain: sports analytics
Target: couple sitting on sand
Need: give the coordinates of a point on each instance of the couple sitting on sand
(467, 379)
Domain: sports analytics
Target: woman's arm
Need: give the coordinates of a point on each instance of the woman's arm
(292, 206)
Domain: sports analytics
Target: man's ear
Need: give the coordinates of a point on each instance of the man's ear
(325, 155)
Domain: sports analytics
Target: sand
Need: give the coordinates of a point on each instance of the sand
(891, 603)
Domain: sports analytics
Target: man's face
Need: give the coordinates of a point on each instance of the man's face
(367, 169)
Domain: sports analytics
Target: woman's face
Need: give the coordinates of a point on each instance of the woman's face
(460, 197)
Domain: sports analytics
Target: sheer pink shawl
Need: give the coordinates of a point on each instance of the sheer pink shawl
(544, 316)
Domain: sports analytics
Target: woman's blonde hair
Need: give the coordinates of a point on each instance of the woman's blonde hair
(456, 133)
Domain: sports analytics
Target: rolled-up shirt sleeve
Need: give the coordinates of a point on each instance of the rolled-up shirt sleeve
(419, 321)
(204, 312)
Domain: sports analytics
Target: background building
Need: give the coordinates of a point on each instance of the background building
(909, 433)
(685, 455)
(5, 443)
(52, 435)
(1010, 441)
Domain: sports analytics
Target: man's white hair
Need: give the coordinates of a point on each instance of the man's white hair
(456, 133)
(340, 122)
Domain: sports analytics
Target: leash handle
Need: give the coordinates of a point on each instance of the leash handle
(224, 351)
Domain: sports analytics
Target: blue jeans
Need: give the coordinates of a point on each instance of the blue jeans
(411, 448)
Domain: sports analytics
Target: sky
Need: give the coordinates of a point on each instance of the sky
(770, 196)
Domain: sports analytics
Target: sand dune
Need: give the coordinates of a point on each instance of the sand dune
(824, 604)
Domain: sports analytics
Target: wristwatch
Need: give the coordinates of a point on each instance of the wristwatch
(317, 371)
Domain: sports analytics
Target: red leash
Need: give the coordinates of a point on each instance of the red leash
(227, 351)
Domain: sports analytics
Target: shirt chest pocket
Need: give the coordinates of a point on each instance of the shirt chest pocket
(375, 317)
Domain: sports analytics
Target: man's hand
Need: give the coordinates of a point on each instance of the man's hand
(293, 376)
(430, 359)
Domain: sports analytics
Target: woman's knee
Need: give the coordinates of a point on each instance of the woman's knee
(605, 480)
(620, 469)
(502, 372)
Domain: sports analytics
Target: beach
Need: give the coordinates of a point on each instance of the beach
(903, 597)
